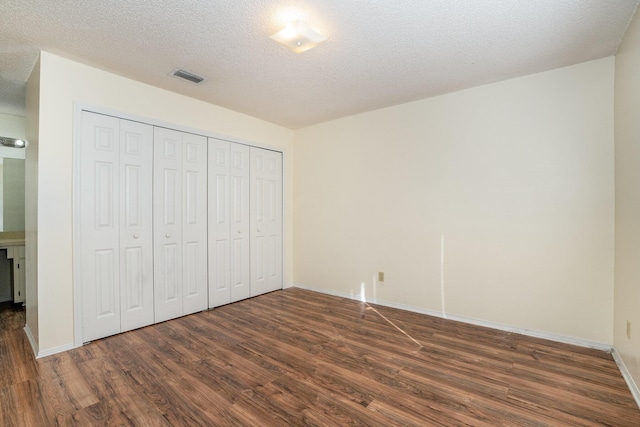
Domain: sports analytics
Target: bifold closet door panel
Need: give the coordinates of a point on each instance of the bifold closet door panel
(194, 223)
(219, 224)
(100, 225)
(240, 227)
(136, 225)
(266, 221)
(115, 225)
(167, 221)
(180, 223)
(229, 268)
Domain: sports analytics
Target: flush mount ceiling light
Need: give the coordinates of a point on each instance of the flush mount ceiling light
(298, 37)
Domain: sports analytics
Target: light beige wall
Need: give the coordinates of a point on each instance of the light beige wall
(32, 127)
(11, 206)
(12, 126)
(63, 82)
(627, 164)
(13, 194)
(494, 203)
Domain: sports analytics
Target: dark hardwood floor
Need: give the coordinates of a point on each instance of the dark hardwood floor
(296, 357)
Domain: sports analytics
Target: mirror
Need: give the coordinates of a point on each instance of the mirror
(11, 189)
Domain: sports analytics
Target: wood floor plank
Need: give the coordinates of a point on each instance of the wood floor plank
(479, 405)
(8, 404)
(297, 357)
(570, 402)
(130, 411)
(412, 413)
(29, 407)
(16, 362)
(105, 378)
(319, 399)
(596, 393)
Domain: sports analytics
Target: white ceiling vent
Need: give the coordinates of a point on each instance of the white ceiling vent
(186, 75)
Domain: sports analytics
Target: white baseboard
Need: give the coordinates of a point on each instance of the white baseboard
(635, 391)
(32, 340)
(55, 350)
(40, 354)
(529, 332)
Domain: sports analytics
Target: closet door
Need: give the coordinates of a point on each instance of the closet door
(219, 224)
(266, 221)
(240, 229)
(100, 225)
(229, 268)
(136, 225)
(194, 223)
(167, 221)
(180, 227)
(115, 225)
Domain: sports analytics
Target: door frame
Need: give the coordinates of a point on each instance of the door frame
(78, 108)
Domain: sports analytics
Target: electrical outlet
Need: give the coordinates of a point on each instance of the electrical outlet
(629, 329)
(381, 276)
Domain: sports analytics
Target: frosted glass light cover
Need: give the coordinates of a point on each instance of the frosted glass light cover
(298, 37)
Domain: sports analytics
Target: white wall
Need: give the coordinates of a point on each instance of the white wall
(61, 83)
(627, 164)
(32, 126)
(494, 203)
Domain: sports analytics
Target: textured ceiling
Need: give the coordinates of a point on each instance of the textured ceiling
(378, 53)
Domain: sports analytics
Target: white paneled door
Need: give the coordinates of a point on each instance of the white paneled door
(266, 220)
(136, 225)
(240, 230)
(115, 225)
(194, 223)
(180, 223)
(229, 267)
